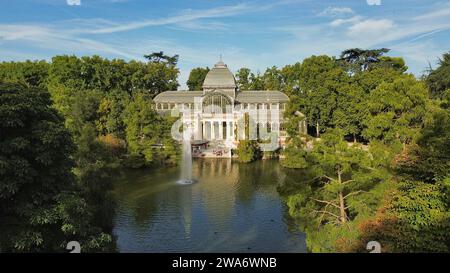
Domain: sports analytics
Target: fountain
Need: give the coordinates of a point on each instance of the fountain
(186, 163)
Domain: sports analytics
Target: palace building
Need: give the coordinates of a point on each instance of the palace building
(221, 115)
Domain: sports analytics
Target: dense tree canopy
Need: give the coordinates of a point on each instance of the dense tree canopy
(392, 189)
(41, 207)
(361, 59)
(438, 80)
(397, 110)
(196, 78)
(33, 74)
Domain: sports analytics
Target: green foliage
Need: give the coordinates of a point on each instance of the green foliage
(96, 73)
(35, 148)
(342, 193)
(396, 63)
(160, 57)
(397, 110)
(145, 129)
(361, 59)
(429, 160)
(271, 79)
(84, 109)
(111, 113)
(243, 79)
(349, 115)
(295, 155)
(438, 80)
(320, 82)
(248, 151)
(196, 78)
(41, 207)
(415, 219)
(32, 74)
(141, 128)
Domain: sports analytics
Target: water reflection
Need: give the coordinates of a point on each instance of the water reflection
(231, 208)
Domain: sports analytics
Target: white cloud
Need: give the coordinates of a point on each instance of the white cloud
(335, 11)
(185, 16)
(58, 39)
(443, 11)
(198, 25)
(370, 28)
(190, 15)
(339, 22)
(373, 2)
(73, 2)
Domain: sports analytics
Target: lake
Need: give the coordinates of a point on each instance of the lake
(232, 207)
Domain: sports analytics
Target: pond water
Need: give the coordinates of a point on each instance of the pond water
(231, 207)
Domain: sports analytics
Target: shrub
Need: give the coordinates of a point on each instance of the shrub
(248, 151)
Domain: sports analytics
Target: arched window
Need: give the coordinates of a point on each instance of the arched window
(216, 103)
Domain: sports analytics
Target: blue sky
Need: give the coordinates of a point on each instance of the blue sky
(248, 33)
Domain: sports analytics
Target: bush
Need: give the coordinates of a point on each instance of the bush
(248, 151)
(134, 161)
(113, 146)
(414, 218)
(294, 156)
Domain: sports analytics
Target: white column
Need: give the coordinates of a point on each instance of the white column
(220, 129)
(227, 132)
(231, 130)
(203, 130)
(212, 130)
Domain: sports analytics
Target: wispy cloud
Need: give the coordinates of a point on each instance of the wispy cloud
(442, 12)
(373, 2)
(340, 21)
(73, 2)
(370, 28)
(404, 34)
(54, 38)
(335, 11)
(182, 17)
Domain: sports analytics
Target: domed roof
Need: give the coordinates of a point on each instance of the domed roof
(219, 77)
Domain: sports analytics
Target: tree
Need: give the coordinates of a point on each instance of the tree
(243, 79)
(84, 109)
(414, 218)
(111, 113)
(291, 78)
(397, 110)
(160, 57)
(95, 167)
(196, 78)
(30, 73)
(144, 127)
(396, 63)
(272, 79)
(341, 167)
(41, 207)
(361, 59)
(320, 81)
(429, 159)
(295, 155)
(351, 110)
(438, 80)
